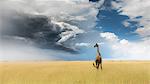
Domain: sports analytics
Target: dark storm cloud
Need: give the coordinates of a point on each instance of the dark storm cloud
(36, 28)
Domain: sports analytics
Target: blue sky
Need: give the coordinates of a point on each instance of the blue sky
(110, 20)
(68, 29)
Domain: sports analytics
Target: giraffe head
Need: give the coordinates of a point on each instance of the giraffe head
(96, 45)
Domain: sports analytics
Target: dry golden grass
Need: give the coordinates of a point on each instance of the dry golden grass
(79, 72)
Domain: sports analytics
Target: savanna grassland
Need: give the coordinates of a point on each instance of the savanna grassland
(75, 72)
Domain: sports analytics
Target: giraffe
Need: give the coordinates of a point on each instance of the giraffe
(98, 60)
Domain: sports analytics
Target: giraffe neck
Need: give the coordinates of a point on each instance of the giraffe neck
(98, 53)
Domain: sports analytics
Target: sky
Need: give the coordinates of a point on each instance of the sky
(68, 29)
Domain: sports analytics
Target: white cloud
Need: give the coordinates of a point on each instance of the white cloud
(135, 8)
(57, 9)
(124, 49)
(131, 50)
(24, 52)
(144, 32)
(109, 36)
(126, 23)
(86, 44)
(70, 31)
(18, 51)
(124, 41)
(82, 44)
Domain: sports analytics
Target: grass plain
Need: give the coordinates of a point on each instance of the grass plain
(75, 72)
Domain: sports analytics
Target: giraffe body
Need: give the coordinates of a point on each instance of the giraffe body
(98, 60)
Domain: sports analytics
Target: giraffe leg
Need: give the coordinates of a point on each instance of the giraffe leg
(97, 65)
(101, 66)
